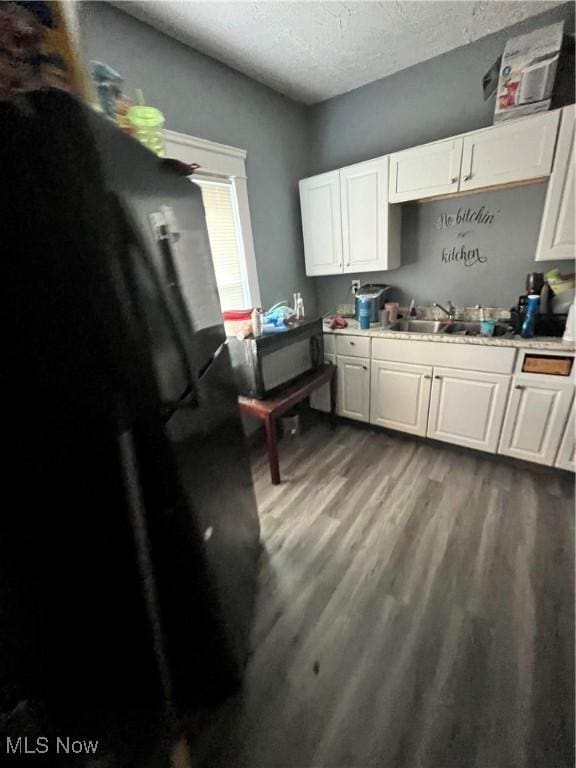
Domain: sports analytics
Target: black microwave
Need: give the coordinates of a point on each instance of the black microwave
(264, 365)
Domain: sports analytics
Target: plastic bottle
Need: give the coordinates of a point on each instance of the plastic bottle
(299, 307)
(529, 324)
(364, 312)
(256, 322)
(147, 123)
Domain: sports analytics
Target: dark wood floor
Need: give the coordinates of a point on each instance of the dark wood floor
(416, 610)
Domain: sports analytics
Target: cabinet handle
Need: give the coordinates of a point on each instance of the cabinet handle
(454, 179)
(437, 377)
(519, 386)
(427, 376)
(467, 176)
(352, 343)
(365, 368)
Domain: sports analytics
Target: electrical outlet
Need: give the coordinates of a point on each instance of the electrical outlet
(355, 286)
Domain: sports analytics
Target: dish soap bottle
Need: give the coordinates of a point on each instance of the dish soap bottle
(299, 307)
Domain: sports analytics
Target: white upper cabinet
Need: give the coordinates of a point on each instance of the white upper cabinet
(369, 242)
(321, 223)
(347, 223)
(433, 169)
(516, 151)
(566, 458)
(535, 418)
(558, 231)
(467, 407)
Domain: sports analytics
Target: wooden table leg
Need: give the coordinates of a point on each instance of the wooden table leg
(272, 445)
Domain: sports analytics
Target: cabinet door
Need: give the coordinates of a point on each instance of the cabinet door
(353, 397)
(558, 230)
(467, 407)
(515, 151)
(535, 418)
(433, 169)
(366, 245)
(400, 396)
(566, 458)
(321, 224)
(320, 398)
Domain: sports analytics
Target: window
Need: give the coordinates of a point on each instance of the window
(225, 242)
(222, 179)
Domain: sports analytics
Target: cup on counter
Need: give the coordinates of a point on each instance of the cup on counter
(487, 328)
(384, 316)
(392, 307)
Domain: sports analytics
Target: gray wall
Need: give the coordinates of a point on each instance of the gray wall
(201, 97)
(431, 101)
(500, 252)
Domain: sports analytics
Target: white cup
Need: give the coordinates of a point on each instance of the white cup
(384, 318)
(392, 308)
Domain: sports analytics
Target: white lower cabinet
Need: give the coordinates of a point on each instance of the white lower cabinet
(353, 399)
(566, 458)
(535, 418)
(400, 395)
(467, 407)
(528, 416)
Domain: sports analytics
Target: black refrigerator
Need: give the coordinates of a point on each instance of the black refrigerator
(129, 537)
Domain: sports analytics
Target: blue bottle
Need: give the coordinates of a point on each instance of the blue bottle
(529, 323)
(364, 312)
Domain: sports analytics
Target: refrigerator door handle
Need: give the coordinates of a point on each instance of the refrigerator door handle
(210, 362)
(187, 399)
(134, 240)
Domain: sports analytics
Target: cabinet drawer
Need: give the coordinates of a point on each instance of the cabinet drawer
(474, 357)
(353, 346)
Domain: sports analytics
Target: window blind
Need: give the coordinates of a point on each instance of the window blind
(224, 239)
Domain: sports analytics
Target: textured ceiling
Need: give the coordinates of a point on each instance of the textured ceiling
(311, 51)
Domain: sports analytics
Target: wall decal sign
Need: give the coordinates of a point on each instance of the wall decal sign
(468, 256)
(464, 217)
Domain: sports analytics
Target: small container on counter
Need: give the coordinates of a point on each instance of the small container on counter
(392, 307)
(384, 315)
(529, 323)
(487, 327)
(364, 312)
(257, 316)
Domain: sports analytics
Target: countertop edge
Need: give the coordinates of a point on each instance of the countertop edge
(539, 342)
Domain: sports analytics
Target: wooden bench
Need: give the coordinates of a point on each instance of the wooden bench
(270, 409)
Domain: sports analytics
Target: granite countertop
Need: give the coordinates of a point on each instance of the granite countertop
(537, 342)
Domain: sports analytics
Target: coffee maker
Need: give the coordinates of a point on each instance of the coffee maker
(552, 314)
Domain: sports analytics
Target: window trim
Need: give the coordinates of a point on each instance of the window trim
(224, 162)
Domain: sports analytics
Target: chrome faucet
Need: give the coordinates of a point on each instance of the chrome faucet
(451, 312)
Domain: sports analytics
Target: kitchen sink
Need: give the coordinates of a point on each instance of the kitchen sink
(418, 326)
(455, 328)
(472, 329)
